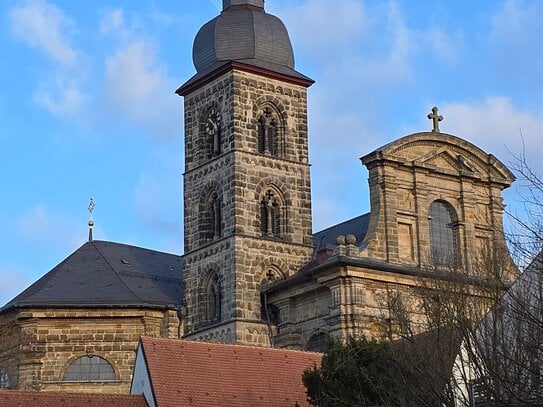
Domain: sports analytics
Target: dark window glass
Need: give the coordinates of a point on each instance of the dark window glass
(268, 133)
(89, 369)
(318, 343)
(443, 234)
(272, 138)
(270, 216)
(213, 299)
(4, 379)
(261, 136)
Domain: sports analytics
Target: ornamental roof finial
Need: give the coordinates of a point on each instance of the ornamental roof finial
(91, 223)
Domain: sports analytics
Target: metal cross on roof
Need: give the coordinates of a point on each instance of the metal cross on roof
(435, 118)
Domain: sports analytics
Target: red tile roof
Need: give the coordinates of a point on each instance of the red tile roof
(14, 398)
(198, 374)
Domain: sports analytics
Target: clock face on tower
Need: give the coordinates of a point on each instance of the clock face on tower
(213, 121)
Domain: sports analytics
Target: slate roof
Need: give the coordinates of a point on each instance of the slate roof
(357, 226)
(245, 34)
(12, 398)
(242, 34)
(106, 274)
(198, 374)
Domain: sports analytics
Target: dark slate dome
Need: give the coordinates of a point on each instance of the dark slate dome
(243, 32)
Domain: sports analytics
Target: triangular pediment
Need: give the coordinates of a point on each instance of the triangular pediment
(444, 159)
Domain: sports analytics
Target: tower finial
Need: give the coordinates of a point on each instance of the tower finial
(91, 223)
(248, 3)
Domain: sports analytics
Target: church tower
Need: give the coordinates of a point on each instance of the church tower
(247, 197)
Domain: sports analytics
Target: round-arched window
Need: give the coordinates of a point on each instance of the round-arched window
(443, 234)
(89, 368)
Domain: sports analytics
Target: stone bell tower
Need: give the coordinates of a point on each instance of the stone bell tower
(247, 197)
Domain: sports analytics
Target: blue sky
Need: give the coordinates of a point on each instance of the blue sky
(87, 106)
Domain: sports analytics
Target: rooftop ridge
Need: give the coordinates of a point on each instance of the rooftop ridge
(340, 223)
(115, 272)
(132, 245)
(148, 338)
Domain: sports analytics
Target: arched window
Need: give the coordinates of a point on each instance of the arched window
(212, 126)
(318, 342)
(269, 312)
(215, 214)
(4, 379)
(211, 219)
(90, 368)
(270, 215)
(269, 133)
(213, 299)
(443, 234)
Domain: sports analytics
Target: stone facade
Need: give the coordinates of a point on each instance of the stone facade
(41, 344)
(250, 272)
(244, 179)
(341, 294)
(410, 174)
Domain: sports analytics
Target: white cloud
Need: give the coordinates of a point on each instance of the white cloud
(43, 25)
(40, 226)
(442, 44)
(112, 22)
(153, 203)
(14, 280)
(495, 125)
(138, 87)
(515, 36)
(394, 63)
(61, 96)
(326, 26)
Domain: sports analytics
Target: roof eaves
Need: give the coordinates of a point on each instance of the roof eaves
(148, 371)
(363, 262)
(93, 305)
(42, 281)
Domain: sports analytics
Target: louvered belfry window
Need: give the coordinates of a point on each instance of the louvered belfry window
(268, 133)
(270, 215)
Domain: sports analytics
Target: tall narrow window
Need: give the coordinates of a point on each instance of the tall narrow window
(443, 234)
(89, 369)
(268, 133)
(272, 137)
(269, 312)
(215, 212)
(262, 135)
(4, 379)
(270, 215)
(213, 299)
(210, 221)
(213, 130)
